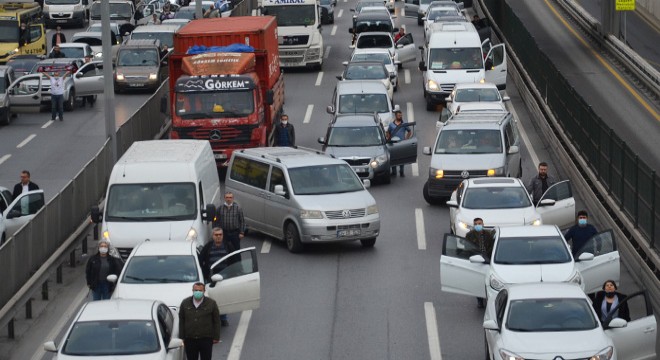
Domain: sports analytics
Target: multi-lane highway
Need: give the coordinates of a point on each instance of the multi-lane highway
(332, 301)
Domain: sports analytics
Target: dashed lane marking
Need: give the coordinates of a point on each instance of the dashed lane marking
(4, 158)
(406, 76)
(265, 247)
(319, 78)
(49, 123)
(327, 52)
(239, 336)
(415, 169)
(340, 13)
(432, 331)
(308, 114)
(410, 111)
(27, 140)
(334, 30)
(421, 232)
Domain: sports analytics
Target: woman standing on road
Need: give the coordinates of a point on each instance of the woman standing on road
(98, 268)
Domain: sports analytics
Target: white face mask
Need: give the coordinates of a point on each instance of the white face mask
(284, 122)
(103, 250)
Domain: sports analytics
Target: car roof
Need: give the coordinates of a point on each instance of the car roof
(485, 85)
(162, 248)
(291, 157)
(528, 231)
(361, 87)
(57, 61)
(545, 290)
(117, 309)
(372, 33)
(140, 43)
(494, 182)
(482, 117)
(86, 34)
(371, 50)
(470, 125)
(365, 63)
(481, 107)
(156, 28)
(72, 45)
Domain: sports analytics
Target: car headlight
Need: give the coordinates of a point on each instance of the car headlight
(120, 77)
(378, 161)
(192, 235)
(106, 235)
(482, 81)
(436, 173)
(372, 209)
(15, 51)
(507, 355)
(495, 172)
(432, 85)
(463, 225)
(153, 76)
(311, 214)
(495, 282)
(535, 222)
(605, 354)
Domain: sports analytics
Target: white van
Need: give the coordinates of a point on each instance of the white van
(455, 54)
(160, 190)
(163, 32)
(66, 12)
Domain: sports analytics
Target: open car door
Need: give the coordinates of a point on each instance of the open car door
(88, 80)
(239, 288)
(22, 210)
(411, 7)
(405, 49)
(605, 265)
(403, 151)
(562, 213)
(457, 274)
(496, 66)
(25, 94)
(636, 340)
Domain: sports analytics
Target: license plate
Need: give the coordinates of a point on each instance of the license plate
(136, 85)
(361, 169)
(220, 156)
(349, 232)
(60, 21)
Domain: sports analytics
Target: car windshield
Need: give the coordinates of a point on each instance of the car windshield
(21, 67)
(61, 2)
(324, 179)
(375, 42)
(113, 337)
(216, 104)
(531, 251)
(161, 269)
(477, 95)
(383, 57)
(356, 136)
(365, 72)
(456, 58)
(363, 103)
(185, 14)
(496, 197)
(436, 13)
(363, 4)
(73, 52)
(373, 25)
(292, 15)
(151, 202)
(469, 142)
(166, 38)
(550, 315)
(137, 57)
(118, 11)
(425, 2)
(8, 31)
(97, 28)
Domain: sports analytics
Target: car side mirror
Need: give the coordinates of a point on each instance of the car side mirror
(13, 214)
(392, 76)
(330, 109)
(505, 98)
(175, 343)
(345, 63)
(491, 325)
(426, 150)
(422, 66)
(448, 99)
(452, 203)
(216, 278)
(209, 213)
(350, 30)
(477, 259)
(617, 323)
(339, 77)
(270, 97)
(366, 183)
(513, 150)
(546, 202)
(96, 214)
(50, 346)
(79, 75)
(586, 256)
(279, 190)
(321, 140)
(395, 30)
(112, 278)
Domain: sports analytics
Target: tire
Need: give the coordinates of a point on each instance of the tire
(3, 239)
(368, 242)
(429, 199)
(6, 118)
(386, 178)
(419, 21)
(430, 106)
(69, 105)
(292, 238)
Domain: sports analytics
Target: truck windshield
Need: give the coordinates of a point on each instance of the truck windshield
(137, 57)
(118, 11)
(217, 104)
(456, 58)
(152, 202)
(8, 31)
(297, 15)
(324, 179)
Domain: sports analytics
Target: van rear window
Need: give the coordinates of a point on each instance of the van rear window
(249, 172)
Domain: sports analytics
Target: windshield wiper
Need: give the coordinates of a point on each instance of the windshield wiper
(125, 218)
(135, 278)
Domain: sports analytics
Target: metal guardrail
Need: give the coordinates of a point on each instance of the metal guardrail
(39, 247)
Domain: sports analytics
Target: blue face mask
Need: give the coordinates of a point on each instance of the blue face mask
(478, 227)
(582, 222)
(198, 295)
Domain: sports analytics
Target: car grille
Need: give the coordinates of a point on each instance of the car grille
(293, 40)
(137, 77)
(58, 16)
(447, 87)
(358, 162)
(239, 134)
(472, 173)
(345, 214)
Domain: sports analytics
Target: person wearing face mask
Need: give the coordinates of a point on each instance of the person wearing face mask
(580, 233)
(484, 239)
(284, 134)
(199, 324)
(606, 303)
(98, 268)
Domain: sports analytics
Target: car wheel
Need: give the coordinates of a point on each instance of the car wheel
(429, 199)
(419, 21)
(368, 242)
(68, 106)
(430, 106)
(6, 118)
(292, 238)
(3, 239)
(386, 178)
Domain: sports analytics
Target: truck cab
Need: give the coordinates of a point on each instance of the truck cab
(299, 31)
(75, 12)
(12, 15)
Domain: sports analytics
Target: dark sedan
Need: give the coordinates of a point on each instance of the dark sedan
(328, 11)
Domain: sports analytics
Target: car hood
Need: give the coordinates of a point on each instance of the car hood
(60, 8)
(518, 274)
(455, 76)
(137, 70)
(170, 294)
(546, 345)
(129, 234)
(332, 202)
(476, 161)
(355, 151)
(500, 217)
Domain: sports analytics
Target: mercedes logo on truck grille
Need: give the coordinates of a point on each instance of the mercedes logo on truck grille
(215, 134)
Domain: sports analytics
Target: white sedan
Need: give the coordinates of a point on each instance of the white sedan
(382, 55)
(474, 93)
(505, 202)
(524, 254)
(557, 321)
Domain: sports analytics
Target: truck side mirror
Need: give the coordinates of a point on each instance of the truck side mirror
(209, 213)
(270, 97)
(96, 214)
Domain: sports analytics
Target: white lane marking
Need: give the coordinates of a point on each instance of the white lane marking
(62, 322)
(406, 76)
(525, 138)
(334, 30)
(27, 140)
(410, 112)
(319, 78)
(4, 158)
(432, 331)
(265, 247)
(327, 52)
(415, 169)
(50, 122)
(340, 13)
(421, 232)
(308, 114)
(239, 336)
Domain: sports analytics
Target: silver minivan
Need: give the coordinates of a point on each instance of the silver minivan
(302, 196)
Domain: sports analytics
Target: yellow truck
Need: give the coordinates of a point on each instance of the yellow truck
(14, 13)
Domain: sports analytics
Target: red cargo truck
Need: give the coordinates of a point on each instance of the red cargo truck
(230, 99)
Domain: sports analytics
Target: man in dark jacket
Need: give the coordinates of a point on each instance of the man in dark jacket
(23, 35)
(485, 240)
(539, 183)
(58, 37)
(580, 233)
(25, 185)
(212, 252)
(199, 324)
(56, 53)
(98, 268)
(284, 133)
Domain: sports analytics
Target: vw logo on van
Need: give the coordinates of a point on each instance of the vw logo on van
(465, 174)
(215, 134)
(346, 214)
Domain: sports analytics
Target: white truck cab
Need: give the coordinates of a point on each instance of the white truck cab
(66, 12)
(299, 31)
(454, 54)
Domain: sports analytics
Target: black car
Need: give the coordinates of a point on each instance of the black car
(328, 11)
(23, 64)
(372, 21)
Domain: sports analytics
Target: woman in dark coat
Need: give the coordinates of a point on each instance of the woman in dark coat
(608, 299)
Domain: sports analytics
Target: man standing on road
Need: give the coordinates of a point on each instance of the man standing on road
(210, 253)
(540, 183)
(284, 133)
(98, 268)
(199, 324)
(57, 94)
(230, 219)
(396, 129)
(58, 38)
(580, 233)
(25, 185)
(485, 240)
(56, 53)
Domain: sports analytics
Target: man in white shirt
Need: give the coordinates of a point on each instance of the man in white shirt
(57, 94)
